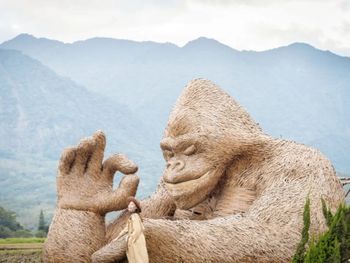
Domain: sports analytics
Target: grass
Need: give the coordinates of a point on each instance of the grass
(30, 256)
(19, 252)
(27, 250)
(15, 240)
(21, 246)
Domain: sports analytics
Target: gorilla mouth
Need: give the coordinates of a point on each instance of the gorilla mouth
(190, 193)
(184, 186)
(181, 179)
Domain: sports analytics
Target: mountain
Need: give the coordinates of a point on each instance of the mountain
(41, 113)
(296, 92)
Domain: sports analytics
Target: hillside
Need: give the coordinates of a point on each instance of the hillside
(40, 114)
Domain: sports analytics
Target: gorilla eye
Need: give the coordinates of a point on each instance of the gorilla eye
(190, 150)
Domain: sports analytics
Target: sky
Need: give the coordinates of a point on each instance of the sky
(241, 24)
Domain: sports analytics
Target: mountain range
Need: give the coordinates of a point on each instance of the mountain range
(53, 93)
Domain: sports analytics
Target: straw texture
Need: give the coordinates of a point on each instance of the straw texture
(249, 208)
(84, 195)
(229, 192)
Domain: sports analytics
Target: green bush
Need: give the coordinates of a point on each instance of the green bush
(299, 255)
(22, 233)
(40, 233)
(333, 245)
(5, 232)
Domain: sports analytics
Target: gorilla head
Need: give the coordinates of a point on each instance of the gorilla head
(206, 132)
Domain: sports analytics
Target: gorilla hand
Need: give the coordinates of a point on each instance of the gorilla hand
(84, 183)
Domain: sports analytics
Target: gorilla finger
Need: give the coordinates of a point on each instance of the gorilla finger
(83, 154)
(95, 163)
(129, 183)
(66, 160)
(118, 162)
(127, 187)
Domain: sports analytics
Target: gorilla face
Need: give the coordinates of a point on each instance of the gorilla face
(207, 130)
(191, 174)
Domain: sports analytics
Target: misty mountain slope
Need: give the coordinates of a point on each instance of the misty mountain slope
(296, 92)
(110, 59)
(41, 111)
(40, 114)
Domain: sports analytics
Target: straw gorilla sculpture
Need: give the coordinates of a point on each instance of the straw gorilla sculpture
(229, 193)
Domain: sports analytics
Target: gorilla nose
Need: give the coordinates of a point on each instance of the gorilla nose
(177, 165)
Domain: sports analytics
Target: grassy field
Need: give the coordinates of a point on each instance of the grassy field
(21, 250)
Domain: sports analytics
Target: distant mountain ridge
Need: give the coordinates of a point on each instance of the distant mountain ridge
(40, 105)
(297, 92)
(53, 93)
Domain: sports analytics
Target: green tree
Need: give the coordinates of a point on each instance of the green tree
(8, 219)
(5, 232)
(299, 255)
(9, 227)
(333, 245)
(42, 227)
(42, 224)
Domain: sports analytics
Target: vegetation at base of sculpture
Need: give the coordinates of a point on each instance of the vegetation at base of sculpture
(299, 255)
(333, 245)
(229, 192)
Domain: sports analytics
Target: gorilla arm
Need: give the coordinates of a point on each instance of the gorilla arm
(85, 195)
(266, 233)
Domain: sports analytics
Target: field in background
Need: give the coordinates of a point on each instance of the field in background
(21, 250)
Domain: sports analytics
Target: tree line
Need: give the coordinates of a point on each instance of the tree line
(10, 227)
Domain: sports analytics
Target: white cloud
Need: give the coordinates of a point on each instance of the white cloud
(242, 24)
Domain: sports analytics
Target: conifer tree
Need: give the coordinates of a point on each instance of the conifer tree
(333, 245)
(42, 225)
(299, 255)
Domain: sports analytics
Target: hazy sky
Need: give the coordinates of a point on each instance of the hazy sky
(242, 24)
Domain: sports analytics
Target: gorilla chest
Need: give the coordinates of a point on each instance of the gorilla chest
(230, 201)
